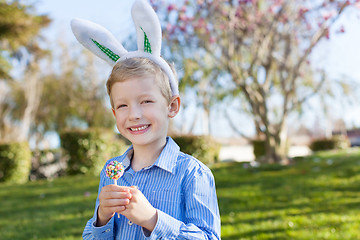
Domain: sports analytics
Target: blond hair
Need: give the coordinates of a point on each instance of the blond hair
(139, 67)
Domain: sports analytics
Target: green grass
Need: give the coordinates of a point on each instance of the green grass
(316, 198)
(56, 209)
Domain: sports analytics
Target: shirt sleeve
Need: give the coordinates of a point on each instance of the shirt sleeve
(104, 232)
(202, 219)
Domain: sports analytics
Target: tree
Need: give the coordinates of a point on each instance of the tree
(73, 95)
(265, 48)
(19, 40)
(199, 76)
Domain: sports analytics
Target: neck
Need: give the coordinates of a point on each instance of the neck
(145, 156)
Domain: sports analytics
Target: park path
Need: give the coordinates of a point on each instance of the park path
(244, 153)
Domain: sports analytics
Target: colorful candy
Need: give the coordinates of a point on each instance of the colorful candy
(114, 170)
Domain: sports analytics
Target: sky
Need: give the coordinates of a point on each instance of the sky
(340, 55)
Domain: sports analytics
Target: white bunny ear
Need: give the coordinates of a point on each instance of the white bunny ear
(103, 44)
(98, 40)
(148, 28)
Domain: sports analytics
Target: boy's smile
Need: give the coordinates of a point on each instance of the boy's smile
(139, 129)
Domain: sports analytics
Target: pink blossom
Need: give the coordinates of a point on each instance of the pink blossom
(201, 22)
(168, 27)
(303, 10)
(171, 7)
(239, 12)
(212, 39)
(182, 17)
(308, 26)
(222, 26)
(341, 29)
(328, 15)
(245, 1)
(183, 28)
(357, 4)
(327, 33)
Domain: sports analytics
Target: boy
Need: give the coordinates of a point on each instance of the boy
(163, 193)
(175, 195)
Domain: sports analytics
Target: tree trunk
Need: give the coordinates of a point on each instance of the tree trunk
(32, 95)
(206, 121)
(276, 147)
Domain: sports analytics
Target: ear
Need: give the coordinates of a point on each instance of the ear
(113, 111)
(98, 40)
(174, 106)
(148, 29)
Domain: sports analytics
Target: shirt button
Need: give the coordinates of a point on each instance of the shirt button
(130, 223)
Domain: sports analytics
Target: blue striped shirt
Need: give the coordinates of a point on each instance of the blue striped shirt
(180, 187)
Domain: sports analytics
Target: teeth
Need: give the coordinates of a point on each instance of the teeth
(139, 129)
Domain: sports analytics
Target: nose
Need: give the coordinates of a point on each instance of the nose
(135, 113)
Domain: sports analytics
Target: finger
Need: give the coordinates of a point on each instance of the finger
(115, 202)
(117, 195)
(116, 209)
(134, 189)
(115, 188)
(120, 209)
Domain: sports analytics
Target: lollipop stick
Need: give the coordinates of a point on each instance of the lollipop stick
(115, 182)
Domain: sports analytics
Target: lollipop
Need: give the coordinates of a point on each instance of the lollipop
(114, 170)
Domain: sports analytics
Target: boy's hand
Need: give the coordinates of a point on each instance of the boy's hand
(112, 199)
(140, 211)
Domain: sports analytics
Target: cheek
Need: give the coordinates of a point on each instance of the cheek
(158, 112)
(119, 118)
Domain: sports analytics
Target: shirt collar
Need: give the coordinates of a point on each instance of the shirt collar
(127, 157)
(168, 156)
(166, 160)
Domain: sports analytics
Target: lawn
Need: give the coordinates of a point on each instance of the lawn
(315, 198)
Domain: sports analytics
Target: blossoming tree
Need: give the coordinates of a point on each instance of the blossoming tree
(264, 46)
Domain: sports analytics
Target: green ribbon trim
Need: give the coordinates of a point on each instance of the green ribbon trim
(107, 51)
(147, 46)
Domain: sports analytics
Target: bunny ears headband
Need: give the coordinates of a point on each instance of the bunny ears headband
(148, 31)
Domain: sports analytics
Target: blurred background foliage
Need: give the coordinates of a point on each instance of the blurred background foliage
(227, 55)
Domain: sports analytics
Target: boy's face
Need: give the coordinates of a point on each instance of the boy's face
(141, 111)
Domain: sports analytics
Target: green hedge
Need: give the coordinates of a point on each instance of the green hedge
(204, 148)
(259, 148)
(337, 142)
(15, 162)
(88, 150)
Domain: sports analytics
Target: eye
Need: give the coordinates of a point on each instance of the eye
(121, 106)
(147, 101)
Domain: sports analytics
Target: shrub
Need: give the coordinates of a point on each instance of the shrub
(89, 149)
(259, 148)
(47, 163)
(337, 142)
(15, 162)
(204, 148)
